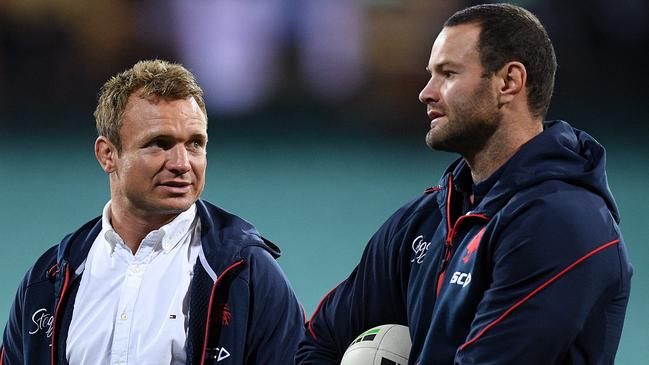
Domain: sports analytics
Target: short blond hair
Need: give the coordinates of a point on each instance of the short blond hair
(152, 80)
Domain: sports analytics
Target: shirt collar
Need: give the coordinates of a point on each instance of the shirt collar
(168, 236)
(178, 228)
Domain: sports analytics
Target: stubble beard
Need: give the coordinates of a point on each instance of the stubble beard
(469, 125)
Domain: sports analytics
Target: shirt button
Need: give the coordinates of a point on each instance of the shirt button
(123, 317)
(135, 268)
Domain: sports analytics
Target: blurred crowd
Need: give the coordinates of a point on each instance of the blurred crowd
(364, 57)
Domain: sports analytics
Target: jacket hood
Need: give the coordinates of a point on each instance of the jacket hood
(560, 152)
(229, 235)
(224, 236)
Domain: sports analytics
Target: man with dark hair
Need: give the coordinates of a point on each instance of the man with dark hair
(516, 256)
(161, 277)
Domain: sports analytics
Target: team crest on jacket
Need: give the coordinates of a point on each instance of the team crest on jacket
(472, 247)
(226, 313)
(420, 248)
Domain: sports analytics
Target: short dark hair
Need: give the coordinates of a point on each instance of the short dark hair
(511, 33)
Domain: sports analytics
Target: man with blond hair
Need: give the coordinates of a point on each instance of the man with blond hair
(161, 277)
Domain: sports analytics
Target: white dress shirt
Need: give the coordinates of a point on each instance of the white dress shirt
(133, 309)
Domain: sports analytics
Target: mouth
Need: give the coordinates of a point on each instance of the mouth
(433, 115)
(176, 187)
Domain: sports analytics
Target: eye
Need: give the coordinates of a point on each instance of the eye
(159, 143)
(197, 144)
(449, 74)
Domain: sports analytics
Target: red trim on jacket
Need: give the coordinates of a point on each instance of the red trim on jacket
(433, 189)
(448, 205)
(440, 281)
(311, 331)
(451, 231)
(52, 271)
(535, 291)
(2, 357)
(209, 307)
(303, 314)
(447, 244)
(64, 290)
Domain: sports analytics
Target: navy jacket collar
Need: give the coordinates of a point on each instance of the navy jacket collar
(223, 237)
(560, 152)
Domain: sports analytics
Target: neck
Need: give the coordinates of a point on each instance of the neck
(132, 228)
(500, 147)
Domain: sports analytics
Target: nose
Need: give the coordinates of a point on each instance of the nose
(430, 93)
(178, 160)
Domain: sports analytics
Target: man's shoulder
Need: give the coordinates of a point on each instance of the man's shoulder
(227, 235)
(43, 268)
(218, 218)
(424, 205)
(560, 196)
(557, 207)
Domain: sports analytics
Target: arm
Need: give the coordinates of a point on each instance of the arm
(373, 294)
(559, 281)
(277, 318)
(12, 340)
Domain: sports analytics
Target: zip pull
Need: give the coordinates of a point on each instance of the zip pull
(448, 246)
(51, 273)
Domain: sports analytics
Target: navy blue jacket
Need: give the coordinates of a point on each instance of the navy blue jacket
(241, 302)
(535, 272)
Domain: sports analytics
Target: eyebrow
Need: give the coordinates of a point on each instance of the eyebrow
(166, 136)
(202, 137)
(439, 66)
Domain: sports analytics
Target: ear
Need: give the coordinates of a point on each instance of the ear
(512, 77)
(106, 154)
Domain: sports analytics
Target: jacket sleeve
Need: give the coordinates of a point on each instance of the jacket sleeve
(373, 294)
(559, 276)
(12, 340)
(277, 318)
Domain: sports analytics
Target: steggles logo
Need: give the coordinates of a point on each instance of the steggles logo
(420, 248)
(42, 321)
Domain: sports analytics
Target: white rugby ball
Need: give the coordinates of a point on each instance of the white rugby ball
(388, 344)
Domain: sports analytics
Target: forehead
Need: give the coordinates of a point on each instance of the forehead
(456, 44)
(152, 114)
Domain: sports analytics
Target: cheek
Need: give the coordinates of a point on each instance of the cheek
(452, 93)
(125, 168)
(198, 168)
(199, 165)
(142, 167)
(463, 98)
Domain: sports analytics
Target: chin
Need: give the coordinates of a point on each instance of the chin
(430, 139)
(175, 205)
(434, 142)
(442, 145)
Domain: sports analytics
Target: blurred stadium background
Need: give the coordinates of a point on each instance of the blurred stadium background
(316, 134)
